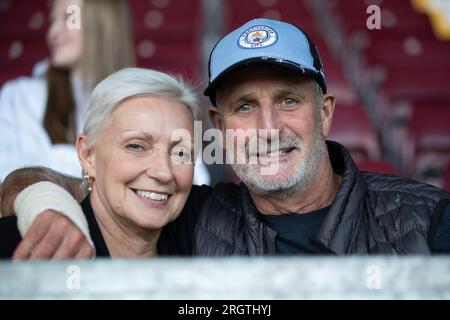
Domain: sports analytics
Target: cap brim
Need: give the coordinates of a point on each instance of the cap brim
(210, 90)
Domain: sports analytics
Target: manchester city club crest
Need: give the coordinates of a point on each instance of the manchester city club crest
(258, 37)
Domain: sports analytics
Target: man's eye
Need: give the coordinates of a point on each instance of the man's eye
(134, 147)
(288, 101)
(244, 108)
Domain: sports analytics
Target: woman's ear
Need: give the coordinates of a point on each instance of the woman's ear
(86, 155)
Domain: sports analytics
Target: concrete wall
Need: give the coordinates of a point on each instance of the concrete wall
(230, 278)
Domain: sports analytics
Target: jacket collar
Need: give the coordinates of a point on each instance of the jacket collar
(345, 219)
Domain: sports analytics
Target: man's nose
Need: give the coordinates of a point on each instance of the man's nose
(269, 118)
(160, 167)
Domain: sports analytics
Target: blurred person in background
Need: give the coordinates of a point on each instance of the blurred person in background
(41, 116)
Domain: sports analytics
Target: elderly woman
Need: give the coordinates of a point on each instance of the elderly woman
(136, 152)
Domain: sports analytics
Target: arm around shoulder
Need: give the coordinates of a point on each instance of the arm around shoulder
(19, 179)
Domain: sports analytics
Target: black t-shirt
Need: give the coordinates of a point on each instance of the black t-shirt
(295, 231)
(177, 238)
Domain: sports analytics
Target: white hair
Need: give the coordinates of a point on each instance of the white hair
(132, 82)
(319, 96)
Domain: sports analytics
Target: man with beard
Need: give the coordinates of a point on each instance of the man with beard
(267, 74)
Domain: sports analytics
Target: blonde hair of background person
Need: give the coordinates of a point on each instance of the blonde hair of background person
(107, 46)
(138, 172)
(41, 116)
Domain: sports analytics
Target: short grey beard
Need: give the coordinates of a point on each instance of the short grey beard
(282, 190)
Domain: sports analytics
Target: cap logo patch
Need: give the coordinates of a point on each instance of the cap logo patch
(258, 37)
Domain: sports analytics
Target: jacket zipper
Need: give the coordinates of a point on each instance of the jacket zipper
(267, 249)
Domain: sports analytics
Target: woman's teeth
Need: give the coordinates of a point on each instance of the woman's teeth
(152, 195)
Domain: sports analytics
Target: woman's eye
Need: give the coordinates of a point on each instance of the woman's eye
(134, 147)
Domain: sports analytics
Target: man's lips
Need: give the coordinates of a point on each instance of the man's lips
(273, 153)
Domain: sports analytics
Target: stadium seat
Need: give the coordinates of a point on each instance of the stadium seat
(446, 183)
(414, 65)
(22, 37)
(377, 166)
(428, 145)
(168, 36)
(352, 128)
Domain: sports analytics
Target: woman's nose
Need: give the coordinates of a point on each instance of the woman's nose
(160, 167)
(54, 30)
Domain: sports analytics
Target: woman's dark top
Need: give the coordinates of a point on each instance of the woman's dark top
(10, 236)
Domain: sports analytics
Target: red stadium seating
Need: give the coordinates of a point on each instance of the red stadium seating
(446, 183)
(428, 145)
(167, 21)
(410, 52)
(416, 65)
(418, 87)
(352, 128)
(22, 37)
(176, 58)
(294, 11)
(377, 166)
(168, 36)
(397, 16)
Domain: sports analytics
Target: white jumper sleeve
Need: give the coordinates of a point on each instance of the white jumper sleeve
(23, 139)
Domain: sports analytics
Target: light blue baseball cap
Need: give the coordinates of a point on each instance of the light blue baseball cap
(264, 40)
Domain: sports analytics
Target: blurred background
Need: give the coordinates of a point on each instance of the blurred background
(392, 84)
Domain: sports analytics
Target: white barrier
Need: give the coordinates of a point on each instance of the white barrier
(230, 278)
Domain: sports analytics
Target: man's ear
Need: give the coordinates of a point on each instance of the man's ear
(326, 112)
(215, 117)
(86, 155)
